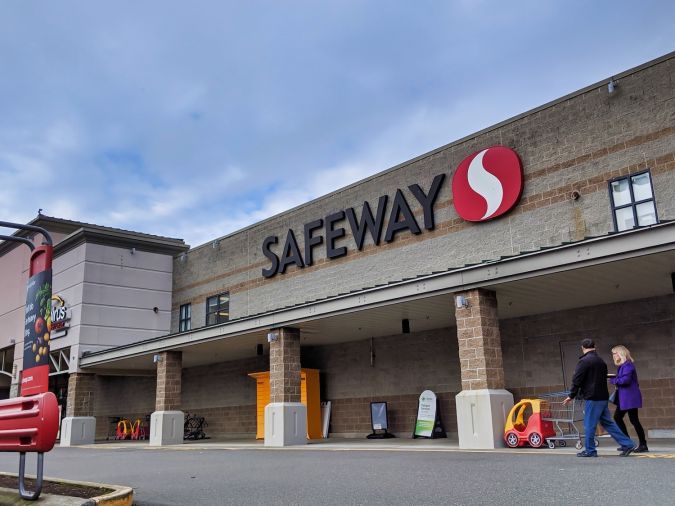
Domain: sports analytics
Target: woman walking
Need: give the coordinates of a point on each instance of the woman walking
(629, 397)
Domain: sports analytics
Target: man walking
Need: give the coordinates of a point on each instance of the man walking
(590, 380)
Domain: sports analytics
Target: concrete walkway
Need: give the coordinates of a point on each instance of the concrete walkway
(661, 447)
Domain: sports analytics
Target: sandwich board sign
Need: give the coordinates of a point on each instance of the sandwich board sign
(428, 423)
(426, 414)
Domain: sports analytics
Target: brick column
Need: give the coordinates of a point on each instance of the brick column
(81, 394)
(166, 423)
(285, 366)
(79, 425)
(169, 374)
(483, 403)
(285, 415)
(480, 346)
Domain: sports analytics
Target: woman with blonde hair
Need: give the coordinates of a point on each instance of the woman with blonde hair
(628, 395)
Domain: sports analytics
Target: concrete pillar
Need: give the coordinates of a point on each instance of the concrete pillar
(79, 425)
(166, 423)
(483, 403)
(285, 416)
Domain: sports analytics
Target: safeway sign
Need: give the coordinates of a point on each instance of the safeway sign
(486, 185)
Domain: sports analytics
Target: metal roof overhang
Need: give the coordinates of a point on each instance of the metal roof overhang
(623, 266)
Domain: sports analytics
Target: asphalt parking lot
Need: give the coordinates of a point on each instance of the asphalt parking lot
(361, 474)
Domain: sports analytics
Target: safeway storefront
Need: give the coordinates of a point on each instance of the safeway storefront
(472, 271)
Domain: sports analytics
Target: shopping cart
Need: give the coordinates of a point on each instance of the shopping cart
(565, 419)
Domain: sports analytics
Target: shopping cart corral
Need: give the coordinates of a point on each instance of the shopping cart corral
(566, 419)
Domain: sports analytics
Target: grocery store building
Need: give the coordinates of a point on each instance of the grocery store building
(473, 271)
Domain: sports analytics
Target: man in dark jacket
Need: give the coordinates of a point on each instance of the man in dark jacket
(590, 383)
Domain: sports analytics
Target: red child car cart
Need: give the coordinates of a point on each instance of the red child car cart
(527, 423)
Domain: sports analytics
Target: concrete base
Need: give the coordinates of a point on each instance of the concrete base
(166, 428)
(661, 433)
(78, 430)
(481, 415)
(285, 424)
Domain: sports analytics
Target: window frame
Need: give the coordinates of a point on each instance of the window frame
(185, 319)
(633, 203)
(218, 309)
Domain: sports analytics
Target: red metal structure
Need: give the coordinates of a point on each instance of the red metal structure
(30, 423)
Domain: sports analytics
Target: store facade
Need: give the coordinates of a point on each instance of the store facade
(473, 271)
(110, 287)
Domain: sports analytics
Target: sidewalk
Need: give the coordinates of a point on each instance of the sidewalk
(607, 446)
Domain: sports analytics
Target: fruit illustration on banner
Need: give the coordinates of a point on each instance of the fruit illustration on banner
(39, 325)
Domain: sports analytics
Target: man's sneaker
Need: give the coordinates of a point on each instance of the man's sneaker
(587, 454)
(627, 451)
(641, 449)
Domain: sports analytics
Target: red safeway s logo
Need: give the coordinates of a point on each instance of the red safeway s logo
(487, 184)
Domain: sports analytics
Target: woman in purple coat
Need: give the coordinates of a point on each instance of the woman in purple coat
(629, 397)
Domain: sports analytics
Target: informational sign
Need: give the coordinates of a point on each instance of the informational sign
(378, 415)
(35, 374)
(426, 414)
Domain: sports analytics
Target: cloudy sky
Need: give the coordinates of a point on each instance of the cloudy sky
(195, 119)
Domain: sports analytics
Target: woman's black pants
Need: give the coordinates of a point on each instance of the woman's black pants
(634, 420)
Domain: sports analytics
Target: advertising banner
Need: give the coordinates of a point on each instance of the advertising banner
(426, 414)
(35, 374)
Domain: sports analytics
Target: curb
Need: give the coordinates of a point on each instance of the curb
(120, 495)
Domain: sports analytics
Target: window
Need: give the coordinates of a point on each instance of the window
(633, 201)
(7, 360)
(185, 318)
(218, 308)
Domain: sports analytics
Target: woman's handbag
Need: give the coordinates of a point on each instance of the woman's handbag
(613, 397)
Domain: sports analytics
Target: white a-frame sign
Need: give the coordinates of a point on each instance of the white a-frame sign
(428, 423)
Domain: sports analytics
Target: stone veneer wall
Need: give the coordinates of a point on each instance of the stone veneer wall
(81, 395)
(225, 395)
(403, 367)
(121, 396)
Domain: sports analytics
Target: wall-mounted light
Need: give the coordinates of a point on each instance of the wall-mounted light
(215, 243)
(183, 257)
(132, 251)
(461, 302)
(575, 195)
(12, 341)
(272, 336)
(156, 358)
(155, 310)
(611, 85)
